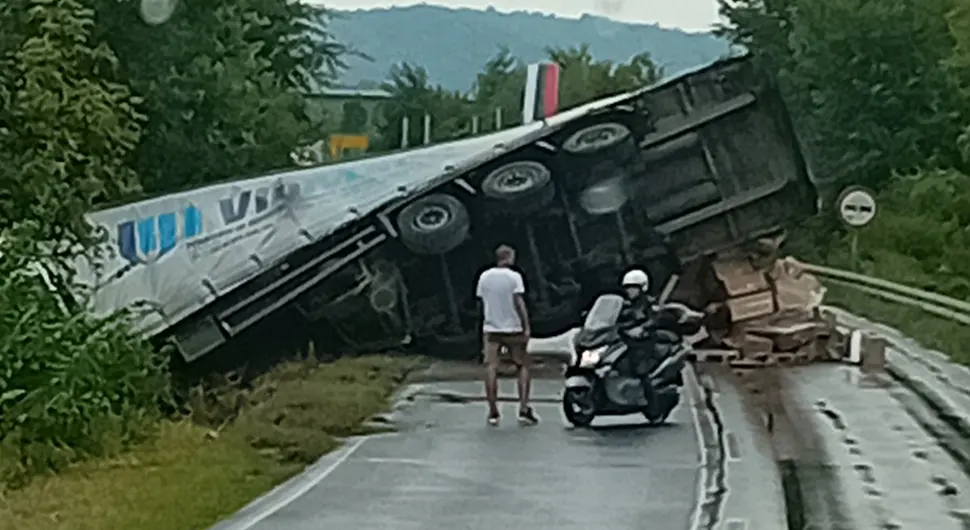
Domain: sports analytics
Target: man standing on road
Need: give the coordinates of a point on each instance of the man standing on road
(505, 325)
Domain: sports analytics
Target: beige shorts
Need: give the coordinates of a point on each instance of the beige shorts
(513, 343)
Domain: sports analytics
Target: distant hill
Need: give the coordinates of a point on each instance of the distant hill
(453, 44)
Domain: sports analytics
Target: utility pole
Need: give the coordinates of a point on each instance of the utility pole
(405, 129)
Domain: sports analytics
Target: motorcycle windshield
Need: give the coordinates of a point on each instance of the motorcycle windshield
(604, 313)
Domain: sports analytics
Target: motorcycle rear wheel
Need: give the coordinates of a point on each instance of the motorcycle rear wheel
(578, 407)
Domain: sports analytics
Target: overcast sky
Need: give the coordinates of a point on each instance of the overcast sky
(690, 15)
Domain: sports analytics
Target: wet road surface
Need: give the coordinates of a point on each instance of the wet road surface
(446, 469)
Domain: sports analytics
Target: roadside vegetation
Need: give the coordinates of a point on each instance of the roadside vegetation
(97, 107)
(233, 444)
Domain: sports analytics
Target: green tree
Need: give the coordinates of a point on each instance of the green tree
(500, 85)
(68, 126)
(353, 118)
(412, 96)
(641, 70)
(583, 79)
(880, 100)
(71, 385)
(863, 79)
(223, 86)
(958, 65)
(763, 26)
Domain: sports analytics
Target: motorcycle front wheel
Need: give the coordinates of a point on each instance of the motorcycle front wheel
(578, 406)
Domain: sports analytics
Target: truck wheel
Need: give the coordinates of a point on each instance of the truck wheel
(598, 152)
(600, 139)
(434, 224)
(523, 186)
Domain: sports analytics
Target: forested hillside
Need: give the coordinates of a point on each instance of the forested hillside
(452, 44)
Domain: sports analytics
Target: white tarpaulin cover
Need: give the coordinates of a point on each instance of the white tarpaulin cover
(180, 252)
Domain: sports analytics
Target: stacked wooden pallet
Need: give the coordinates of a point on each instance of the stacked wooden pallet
(773, 316)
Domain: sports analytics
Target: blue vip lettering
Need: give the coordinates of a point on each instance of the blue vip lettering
(146, 240)
(238, 208)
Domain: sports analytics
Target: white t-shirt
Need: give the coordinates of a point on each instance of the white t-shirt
(497, 288)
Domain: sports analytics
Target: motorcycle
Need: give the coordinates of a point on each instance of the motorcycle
(616, 370)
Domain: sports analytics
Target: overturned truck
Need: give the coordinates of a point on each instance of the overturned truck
(664, 178)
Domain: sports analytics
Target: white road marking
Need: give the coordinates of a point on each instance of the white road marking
(381, 460)
(300, 490)
(695, 385)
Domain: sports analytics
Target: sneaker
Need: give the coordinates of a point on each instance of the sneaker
(493, 419)
(527, 416)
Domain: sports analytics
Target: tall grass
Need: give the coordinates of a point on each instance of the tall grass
(71, 385)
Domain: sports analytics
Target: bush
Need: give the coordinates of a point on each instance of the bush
(71, 385)
(920, 236)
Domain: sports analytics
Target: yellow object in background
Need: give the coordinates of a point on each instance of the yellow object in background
(341, 142)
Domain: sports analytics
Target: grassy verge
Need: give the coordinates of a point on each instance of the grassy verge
(931, 331)
(191, 476)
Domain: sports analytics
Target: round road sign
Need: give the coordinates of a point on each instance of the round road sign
(856, 206)
(155, 12)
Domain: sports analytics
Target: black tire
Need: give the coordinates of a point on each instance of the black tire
(600, 139)
(578, 408)
(433, 224)
(665, 403)
(588, 166)
(523, 186)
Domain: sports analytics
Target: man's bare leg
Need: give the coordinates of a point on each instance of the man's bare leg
(524, 380)
(491, 380)
(491, 388)
(525, 385)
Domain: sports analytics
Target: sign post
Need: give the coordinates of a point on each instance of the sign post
(857, 208)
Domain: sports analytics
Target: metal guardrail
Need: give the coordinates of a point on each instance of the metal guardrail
(934, 303)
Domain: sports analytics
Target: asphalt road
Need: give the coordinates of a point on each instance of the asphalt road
(446, 469)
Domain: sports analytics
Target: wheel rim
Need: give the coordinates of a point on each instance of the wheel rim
(515, 177)
(595, 138)
(579, 405)
(604, 197)
(431, 218)
(516, 180)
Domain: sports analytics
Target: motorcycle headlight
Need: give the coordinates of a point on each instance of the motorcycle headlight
(591, 358)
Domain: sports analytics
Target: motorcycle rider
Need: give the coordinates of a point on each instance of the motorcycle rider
(635, 284)
(636, 311)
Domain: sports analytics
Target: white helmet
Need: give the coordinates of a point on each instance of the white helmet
(636, 278)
